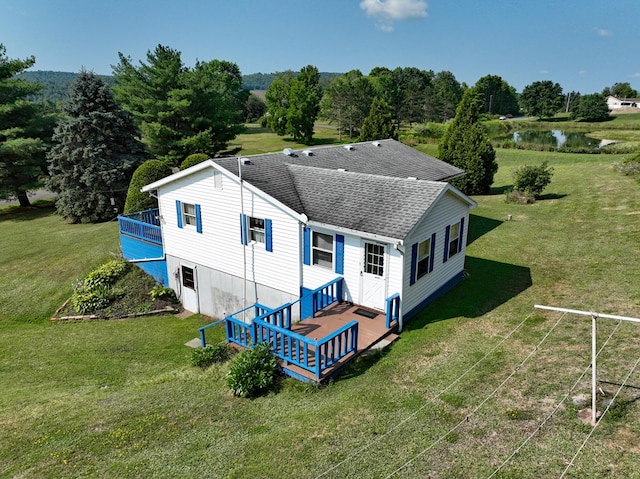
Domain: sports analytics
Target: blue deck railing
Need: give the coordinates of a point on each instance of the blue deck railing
(273, 326)
(327, 294)
(309, 354)
(144, 225)
(393, 311)
(239, 331)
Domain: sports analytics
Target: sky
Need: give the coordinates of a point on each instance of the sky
(584, 45)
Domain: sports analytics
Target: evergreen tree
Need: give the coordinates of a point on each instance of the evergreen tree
(379, 124)
(145, 174)
(95, 153)
(25, 132)
(466, 146)
(181, 110)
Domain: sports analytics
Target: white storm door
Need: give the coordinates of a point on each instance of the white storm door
(189, 293)
(373, 285)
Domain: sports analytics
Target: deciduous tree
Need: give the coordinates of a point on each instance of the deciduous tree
(293, 103)
(620, 90)
(466, 146)
(590, 108)
(347, 101)
(497, 96)
(542, 99)
(25, 132)
(95, 152)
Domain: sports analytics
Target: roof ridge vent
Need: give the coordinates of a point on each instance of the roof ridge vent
(412, 177)
(341, 169)
(288, 152)
(348, 147)
(376, 143)
(307, 152)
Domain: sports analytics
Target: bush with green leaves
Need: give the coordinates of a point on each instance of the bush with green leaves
(106, 274)
(253, 372)
(532, 180)
(162, 292)
(192, 160)
(210, 354)
(146, 173)
(95, 291)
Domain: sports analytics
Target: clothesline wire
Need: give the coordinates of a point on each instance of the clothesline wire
(482, 403)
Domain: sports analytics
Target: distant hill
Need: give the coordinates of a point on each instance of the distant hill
(55, 85)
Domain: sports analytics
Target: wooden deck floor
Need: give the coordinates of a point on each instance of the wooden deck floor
(371, 330)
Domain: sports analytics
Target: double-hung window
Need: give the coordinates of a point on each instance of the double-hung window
(454, 240)
(256, 229)
(322, 250)
(453, 236)
(189, 214)
(424, 258)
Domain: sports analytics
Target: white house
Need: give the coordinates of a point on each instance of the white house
(614, 103)
(267, 228)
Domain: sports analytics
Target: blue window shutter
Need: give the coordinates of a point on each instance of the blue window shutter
(198, 219)
(414, 263)
(179, 212)
(307, 246)
(268, 240)
(461, 234)
(339, 254)
(243, 230)
(432, 253)
(447, 232)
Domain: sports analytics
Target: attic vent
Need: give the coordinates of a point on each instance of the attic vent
(376, 143)
(411, 178)
(307, 152)
(348, 147)
(288, 152)
(341, 169)
(245, 161)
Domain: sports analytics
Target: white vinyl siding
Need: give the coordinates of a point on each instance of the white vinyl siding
(448, 211)
(220, 247)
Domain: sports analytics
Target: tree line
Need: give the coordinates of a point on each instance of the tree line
(160, 108)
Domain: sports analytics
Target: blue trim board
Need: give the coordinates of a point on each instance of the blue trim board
(435, 295)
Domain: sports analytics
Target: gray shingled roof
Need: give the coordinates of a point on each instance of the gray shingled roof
(380, 188)
(373, 204)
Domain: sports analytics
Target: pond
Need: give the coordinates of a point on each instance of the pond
(558, 138)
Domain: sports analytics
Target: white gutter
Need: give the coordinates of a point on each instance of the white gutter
(361, 234)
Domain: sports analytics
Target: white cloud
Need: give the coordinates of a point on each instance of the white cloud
(582, 72)
(635, 75)
(544, 72)
(388, 10)
(601, 32)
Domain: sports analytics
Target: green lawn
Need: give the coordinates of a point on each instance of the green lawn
(470, 379)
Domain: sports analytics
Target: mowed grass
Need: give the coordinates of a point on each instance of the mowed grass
(471, 379)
